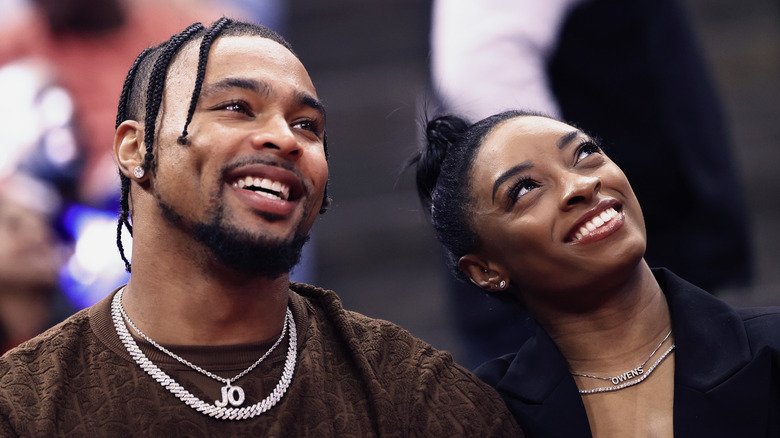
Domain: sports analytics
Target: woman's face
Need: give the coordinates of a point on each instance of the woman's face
(554, 214)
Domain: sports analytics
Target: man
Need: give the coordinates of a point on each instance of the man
(221, 149)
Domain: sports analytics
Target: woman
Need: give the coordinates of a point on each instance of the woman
(531, 209)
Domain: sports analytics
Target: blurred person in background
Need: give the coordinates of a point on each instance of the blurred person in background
(62, 63)
(40, 147)
(630, 71)
(88, 43)
(30, 257)
(39, 163)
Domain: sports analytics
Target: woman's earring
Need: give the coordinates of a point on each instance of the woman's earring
(502, 285)
(139, 172)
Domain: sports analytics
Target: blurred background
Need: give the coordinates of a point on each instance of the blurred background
(370, 63)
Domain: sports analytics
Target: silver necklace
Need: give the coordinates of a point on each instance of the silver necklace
(627, 379)
(233, 395)
(628, 383)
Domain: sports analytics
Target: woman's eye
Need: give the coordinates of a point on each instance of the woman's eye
(586, 149)
(522, 188)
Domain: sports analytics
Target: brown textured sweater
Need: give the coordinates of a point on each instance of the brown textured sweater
(355, 377)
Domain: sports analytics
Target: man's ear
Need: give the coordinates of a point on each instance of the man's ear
(129, 149)
(483, 273)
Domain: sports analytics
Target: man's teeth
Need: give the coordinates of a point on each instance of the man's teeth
(596, 222)
(270, 189)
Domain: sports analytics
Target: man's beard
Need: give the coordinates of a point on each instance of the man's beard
(242, 251)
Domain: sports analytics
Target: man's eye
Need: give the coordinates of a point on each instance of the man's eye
(307, 125)
(238, 106)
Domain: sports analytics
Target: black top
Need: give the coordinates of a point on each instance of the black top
(726, 377)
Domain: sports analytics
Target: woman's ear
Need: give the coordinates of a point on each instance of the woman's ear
(129, 150)
(483, 273)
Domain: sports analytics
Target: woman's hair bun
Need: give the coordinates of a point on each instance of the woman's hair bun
(440, 134)
(443, 131)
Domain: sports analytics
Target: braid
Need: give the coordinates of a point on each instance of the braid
(121, 116)
(326, 199)
(203, 56)
(154, 98)
(156, 84)
(123, 221)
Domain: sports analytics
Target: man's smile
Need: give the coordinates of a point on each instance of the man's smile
(268, 180)
(264, 186)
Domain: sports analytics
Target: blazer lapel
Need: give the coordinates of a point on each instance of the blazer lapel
(720, 388)
(540, 391)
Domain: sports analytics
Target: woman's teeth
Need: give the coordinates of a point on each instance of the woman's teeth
(597, 221)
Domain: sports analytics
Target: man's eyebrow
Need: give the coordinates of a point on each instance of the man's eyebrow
(522, 167)
(567, 138)
(306, 99)
(263, 88)
(259, 87)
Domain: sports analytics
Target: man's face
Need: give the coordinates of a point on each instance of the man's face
(251, 179)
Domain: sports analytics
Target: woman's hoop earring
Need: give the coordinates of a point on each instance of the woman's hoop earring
(502, 285)
(139, 172)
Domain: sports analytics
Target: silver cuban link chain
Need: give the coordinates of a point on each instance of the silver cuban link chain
(231, 394)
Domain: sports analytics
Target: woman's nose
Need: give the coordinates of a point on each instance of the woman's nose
(579, 188)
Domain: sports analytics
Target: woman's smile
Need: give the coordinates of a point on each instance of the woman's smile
(602, 221)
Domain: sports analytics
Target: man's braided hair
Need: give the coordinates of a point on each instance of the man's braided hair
(143, 90)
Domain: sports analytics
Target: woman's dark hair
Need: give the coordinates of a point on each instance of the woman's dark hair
(444, 179)
(143, 90)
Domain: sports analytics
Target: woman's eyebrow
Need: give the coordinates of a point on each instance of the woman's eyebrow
(567, 138)
(522, 167)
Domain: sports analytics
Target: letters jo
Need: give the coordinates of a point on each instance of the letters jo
(231, 394)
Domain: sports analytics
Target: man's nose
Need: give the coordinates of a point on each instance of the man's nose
(277, 135)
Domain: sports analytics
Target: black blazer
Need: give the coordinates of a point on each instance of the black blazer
(726, 378)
